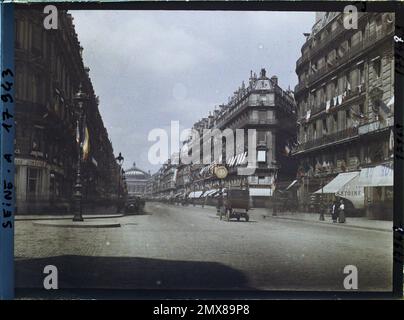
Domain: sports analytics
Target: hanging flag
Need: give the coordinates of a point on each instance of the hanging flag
(391, 140)
(86, 144)
(274, 181)
(308, 114)
(383, 111)
(77, 132)
(327, 106)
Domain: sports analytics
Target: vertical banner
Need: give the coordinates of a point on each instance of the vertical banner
(7, 133)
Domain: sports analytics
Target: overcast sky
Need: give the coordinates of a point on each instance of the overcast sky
(151, 67)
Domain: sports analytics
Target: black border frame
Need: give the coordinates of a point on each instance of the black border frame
(398, 234)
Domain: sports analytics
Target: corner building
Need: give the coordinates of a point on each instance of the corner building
(345, 103)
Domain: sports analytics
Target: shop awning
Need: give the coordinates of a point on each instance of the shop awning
(195, 194)
(353, 192)
(379, 176)
(260, 192)
(208, 193)
(291, 185)
(205, 194)
(211, 192)
(338, 182)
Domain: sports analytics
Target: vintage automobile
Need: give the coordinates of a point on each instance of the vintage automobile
(134, 204)
(236, 203)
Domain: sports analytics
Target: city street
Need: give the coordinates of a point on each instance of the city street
(189, 247)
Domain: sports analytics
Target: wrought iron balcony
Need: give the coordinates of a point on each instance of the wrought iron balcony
(366, 43)
(256, 122)
(328, 139)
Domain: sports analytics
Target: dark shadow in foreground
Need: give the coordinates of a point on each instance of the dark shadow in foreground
(128, 273)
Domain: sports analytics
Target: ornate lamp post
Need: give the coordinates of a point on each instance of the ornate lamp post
(119, 159)
(80, 98)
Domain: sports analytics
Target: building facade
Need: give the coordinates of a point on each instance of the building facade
(49, 70)
(136, 181)
(345, 103)
(261, 105)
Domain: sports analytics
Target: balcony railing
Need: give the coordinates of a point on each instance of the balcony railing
(346, 99)
(327, 41)
(375, 126)
(330, 138)
(351, 53)
(255, 122)
(321, 45)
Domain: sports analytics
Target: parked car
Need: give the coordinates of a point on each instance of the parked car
(134, 204)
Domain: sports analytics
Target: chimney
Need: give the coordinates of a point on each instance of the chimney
(263, 73)
(274, 80)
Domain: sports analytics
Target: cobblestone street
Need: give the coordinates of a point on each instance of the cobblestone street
(189, 248)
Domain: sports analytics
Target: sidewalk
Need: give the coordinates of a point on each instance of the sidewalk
(351, 222)
(27, 217)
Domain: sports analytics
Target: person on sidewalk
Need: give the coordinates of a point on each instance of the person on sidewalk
(219, 202)
(341, 212)
(333, 211)
(322, 208)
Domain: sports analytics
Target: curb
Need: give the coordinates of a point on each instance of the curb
(330, 224)
(58, 218)
(72, 224)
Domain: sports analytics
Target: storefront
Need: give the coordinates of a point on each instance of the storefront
(378, 191)
(368, 191)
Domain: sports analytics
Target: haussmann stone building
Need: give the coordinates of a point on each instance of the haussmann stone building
(49, 70)
(345, 102)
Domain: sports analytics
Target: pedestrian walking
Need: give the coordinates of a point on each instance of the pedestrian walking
(341, 212)
(219, 202)
(334, 211)
(322, 209)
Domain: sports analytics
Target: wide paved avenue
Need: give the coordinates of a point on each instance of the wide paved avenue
(176, 247)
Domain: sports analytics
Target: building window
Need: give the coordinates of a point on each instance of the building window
(36, 140)
(325, 128)
(33, 177)
(347, 119)
(261, 137)
(254, 115)
(270, 114)
(335, 118)
(377, 68)
(261, 156)
(361, 109)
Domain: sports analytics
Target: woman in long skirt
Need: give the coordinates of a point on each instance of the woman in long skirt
(341, 212)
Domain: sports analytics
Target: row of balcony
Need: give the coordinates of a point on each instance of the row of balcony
(349, 96)
(349, 55)
(243, 103)
(332, 36)
(247, 121)
(329, 138)
(349, 133)
(320, 45)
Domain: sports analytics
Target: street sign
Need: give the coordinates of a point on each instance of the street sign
(221, 172)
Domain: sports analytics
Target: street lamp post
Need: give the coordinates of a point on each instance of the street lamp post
(119, 159)
(80, 98)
